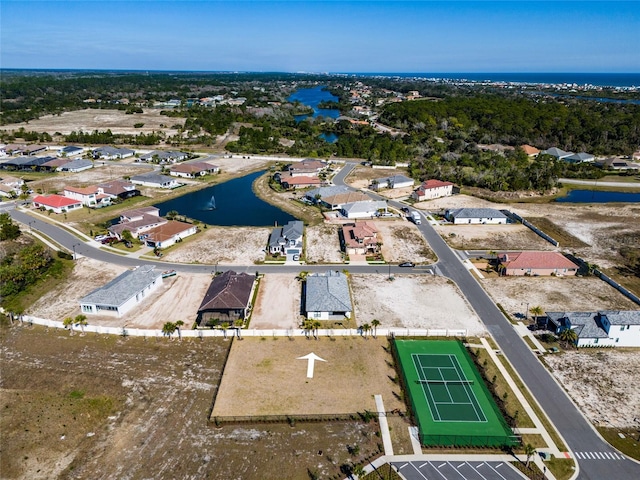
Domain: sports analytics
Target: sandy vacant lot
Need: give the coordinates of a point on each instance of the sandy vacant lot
(265, 377)
(402, 241)
(493, 237)
(98, 174)
(323, 244)
(278, 302)
(604, 383)
(555, 294)
(413, 301)
(177, 299)
(223, 245)
(94, 119)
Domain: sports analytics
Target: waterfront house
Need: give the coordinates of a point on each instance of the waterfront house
(167, 234)
(121, 189)
(155, 180)
(193, 169)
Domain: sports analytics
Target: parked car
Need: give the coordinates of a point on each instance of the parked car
(296, 257)
(407, 264)
(108, 240)
(128, 244)
(100, 238)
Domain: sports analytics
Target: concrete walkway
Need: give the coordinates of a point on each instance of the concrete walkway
(384, 426)
(522, 329)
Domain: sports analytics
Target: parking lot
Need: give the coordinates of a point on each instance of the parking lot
(458, 470)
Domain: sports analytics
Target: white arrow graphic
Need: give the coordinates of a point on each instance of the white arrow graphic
(312, 357)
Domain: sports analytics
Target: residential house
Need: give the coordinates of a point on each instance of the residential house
(193, 170)
(123, 293)
(360, 238)
(12, 149)
(52, 165)
(289, 181)
(287, 239)
(535, 263)
(26, 163)
(75, 166)
(431, 189)
(228, 299)
(10, 186)
(34, 149)
(111, 153)
(89, 196)
(529, 150)
(118, 189)
(306, 168)
(155, 180)
(364, 209)
(167, 234)
(580, 157)
(604, 328)
(327, 296)
(318, 193)
(392, 182)
(617, 164)
(476, 216)
(164, 157)
(558, 153)
(57, 203)
(70, 151)
(137, 221)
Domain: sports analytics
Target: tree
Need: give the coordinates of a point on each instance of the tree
(178, 324)
(316, 325)
(224, 326)
(536, 311)
(365, 329)
(171, 214)
(568, 335)
(82, 321)
(375, 323)
(239, 323)
(8, 229)
(168, 328)
(68, 322)
(127, 236)
(307, 326)
(529, 451)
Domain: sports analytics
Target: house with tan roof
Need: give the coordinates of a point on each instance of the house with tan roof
(137, 221)
(56, 203)
(89, 196)
(529, 150)
(10, 186)
(535, 264)
(228, 299)
(167, 234)
(306, 168)
(121, 189)
(193, 169)
(360, 238)
(431, 189)
(289, 181)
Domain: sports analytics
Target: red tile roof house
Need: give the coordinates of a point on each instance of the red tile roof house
(535, 264)
(89, 196)
(529, 150)
(167, 234)
(193, 170)
(360, 238)
(431, 189)
(56, 203)
(289, 181)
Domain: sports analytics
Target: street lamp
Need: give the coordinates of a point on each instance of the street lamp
(526, 312)
(74, 249)
(30, 224)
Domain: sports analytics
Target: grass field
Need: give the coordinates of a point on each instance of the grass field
(451, 404)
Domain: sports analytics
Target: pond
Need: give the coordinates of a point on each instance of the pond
(311, 97)
(231, 203)
(599, 196)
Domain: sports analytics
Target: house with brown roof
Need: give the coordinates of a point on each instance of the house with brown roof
(56, 203)
(137, 221)
(121, 189)
(535, 264)
(193, 169)
(167, 234)
(360, 238)
(228, 299)
(529, 150)
(306, 168)
(289, 181)
(431, 189)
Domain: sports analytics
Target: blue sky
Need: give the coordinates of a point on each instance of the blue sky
(330, 36)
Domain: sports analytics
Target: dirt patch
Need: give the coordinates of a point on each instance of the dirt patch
(106, 407)
(409, 301)
(278, 302)
(604, 384)
(223, 245)
(402, 241)
(555, 294)
(323, 244)
(492, 237)
(266, 377)
(95, 119)
(360, 177)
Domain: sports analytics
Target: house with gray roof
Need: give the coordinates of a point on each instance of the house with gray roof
(604, 328)
(70, 150)
(319, 193)
(327, 296)
(77, 165)
(111, 153)
(155, 180)
(228, 299)
(556, 152)
(393, 182)
(287, 240)
(164, 156)
(123, 293)
(579, 158)
(484, 216)
(364, 209)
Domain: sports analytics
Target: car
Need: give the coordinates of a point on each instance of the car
(407, 264)
(128, 244)
(405, 209)
(108, 240)
(99, 238)
(296, 257)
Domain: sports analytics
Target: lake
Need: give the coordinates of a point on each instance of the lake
(231, 203)
(311, 97)
(599, 196)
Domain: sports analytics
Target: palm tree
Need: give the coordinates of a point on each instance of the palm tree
(316, 324)
(82, 321)
(374, 324)
(224, 327)
(365, 328)
(529, 451)
(68, 322)
(568, 335)
(178, 324)
(536, 311)
(168, 328)
(239, 323)
(307, 326)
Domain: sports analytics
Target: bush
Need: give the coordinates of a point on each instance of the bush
(64, 255)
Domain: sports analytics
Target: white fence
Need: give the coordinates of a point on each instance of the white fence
(251, 332)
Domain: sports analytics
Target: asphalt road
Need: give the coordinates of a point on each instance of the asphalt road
(563, 413)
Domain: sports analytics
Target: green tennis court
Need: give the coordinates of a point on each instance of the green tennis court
(450, 402)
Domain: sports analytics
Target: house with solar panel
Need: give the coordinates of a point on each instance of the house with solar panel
(123, 293)
(327, 296)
